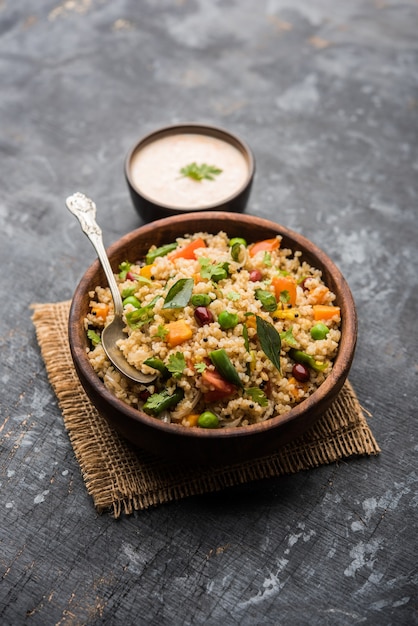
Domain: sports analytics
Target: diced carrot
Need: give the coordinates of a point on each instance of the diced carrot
(190, 420)
(188, 251)
(285, 289)
(295, 386)
(101, 311)
(178, 332)
(267, 245)
(251, 321)
(219, 388)
(146, 271)
(325, 312)
(319, 295)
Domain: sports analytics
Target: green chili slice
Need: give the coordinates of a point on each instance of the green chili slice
(141, 316)
(158, 365)
(223, 365)
(161, 251)
(301, 357)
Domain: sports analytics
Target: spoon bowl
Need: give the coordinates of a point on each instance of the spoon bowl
(85, 211)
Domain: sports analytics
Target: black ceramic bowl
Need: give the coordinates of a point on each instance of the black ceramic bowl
(199, 445)
(159, 189)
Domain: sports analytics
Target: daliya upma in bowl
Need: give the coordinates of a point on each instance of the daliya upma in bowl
(249, 329)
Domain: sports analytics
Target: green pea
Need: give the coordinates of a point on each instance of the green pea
(319, 331)
(238, 240)
(132, 300)
(227, 320)
(200, 299)
(207, 419)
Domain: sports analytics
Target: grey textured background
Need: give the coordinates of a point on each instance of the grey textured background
(326, 95)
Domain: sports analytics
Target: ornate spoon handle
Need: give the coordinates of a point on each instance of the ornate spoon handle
(85, 211)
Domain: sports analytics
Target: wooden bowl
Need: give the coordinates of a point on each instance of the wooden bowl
(207, 446)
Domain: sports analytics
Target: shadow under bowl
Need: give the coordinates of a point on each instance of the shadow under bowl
(206, 446)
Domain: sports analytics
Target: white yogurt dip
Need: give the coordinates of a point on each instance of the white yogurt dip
(155, 170)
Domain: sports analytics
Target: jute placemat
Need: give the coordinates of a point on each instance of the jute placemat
(123, 479)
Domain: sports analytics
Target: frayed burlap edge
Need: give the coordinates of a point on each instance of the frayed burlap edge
(123, 479)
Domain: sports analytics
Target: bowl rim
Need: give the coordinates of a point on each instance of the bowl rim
(336, 378)
(218, 132)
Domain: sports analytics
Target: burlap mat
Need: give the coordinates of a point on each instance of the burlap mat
(121, 478)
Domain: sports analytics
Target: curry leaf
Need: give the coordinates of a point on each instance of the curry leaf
(270, 341)
(179, 294)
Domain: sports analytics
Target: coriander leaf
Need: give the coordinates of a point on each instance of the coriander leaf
(94, 337)
(287, 337)
(200, 367)
(158, 402)
(213, 271)
(257, 395)
(179, 294)
(267, 299)
(270, 341)
(176, 364)
(124, 268)
(233, 295)
(161, 333)
(199, 172)
(267, 259)
(285, 296)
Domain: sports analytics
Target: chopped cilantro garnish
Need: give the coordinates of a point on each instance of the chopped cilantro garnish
(199, 172)
(267, 259)
(213, 271)
(176, 364)
(257, 395)
(161, 333)
(200, 367)
(94, 337)
(287, 337)
(124, 268)
(285, 296)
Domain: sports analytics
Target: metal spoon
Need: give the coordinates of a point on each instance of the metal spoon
(85, 211)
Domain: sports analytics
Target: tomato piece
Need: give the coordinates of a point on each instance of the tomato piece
(188, 251)
(219, 388)
(325, 312)
(285, 289)
(267, 245)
